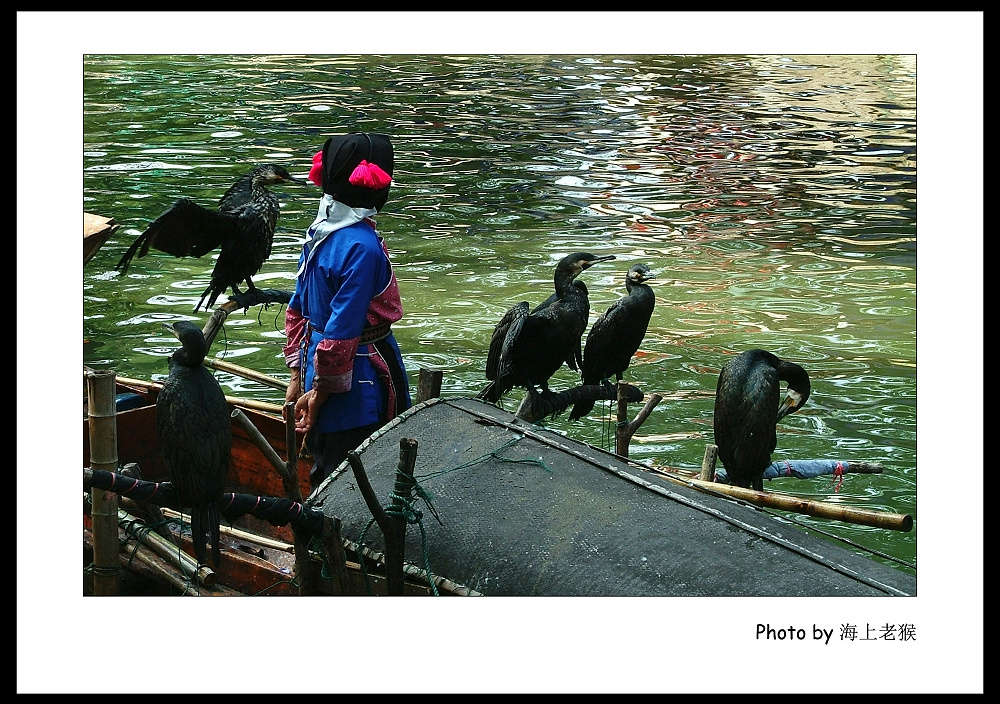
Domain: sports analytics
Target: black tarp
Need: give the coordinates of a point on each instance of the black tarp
(585, 523)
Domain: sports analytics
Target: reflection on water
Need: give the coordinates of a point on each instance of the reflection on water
(774, 195)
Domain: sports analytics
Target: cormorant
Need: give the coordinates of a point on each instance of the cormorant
(746, 411)
(528, 347)
(243, 227)
(617, 334)
(193, 425)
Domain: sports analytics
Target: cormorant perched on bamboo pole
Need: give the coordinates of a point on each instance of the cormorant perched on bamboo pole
(746, 411)
(193, 425)
(528, 347)
(617, 334)
(242, 227)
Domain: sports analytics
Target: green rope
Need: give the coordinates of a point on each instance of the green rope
(495, 455)
(361, 557)
(410, 514)
(405, 509)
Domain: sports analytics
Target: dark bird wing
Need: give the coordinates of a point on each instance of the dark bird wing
(186, 230)
(237, 195)
(245, 248)
(746, 401)
(605, 343)
(500, 333)
(193, 426)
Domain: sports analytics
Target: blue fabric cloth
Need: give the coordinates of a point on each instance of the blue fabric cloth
(347, 270)
(800, 469)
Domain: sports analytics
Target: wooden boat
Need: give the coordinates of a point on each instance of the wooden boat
(526, 511)
(96, 231)
(256, 556)
(523, 511)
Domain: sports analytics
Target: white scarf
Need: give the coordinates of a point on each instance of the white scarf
(331, 216)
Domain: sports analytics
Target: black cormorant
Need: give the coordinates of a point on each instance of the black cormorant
(617, 334)
(193, 425)
(746, 411)
(528, 347)
(242, 227)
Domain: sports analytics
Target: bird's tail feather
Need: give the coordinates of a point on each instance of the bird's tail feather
(493, 391)
(126, 259)
(205, 530)
(212, 293)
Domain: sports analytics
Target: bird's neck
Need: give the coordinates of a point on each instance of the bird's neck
(257, 184)
(639, 291)
(795, 376)
(564, 285)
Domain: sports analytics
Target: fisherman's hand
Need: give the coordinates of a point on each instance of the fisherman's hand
(307, 410)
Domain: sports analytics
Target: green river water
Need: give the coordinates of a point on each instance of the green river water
(774, 196)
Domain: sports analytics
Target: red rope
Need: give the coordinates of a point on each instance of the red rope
(838, 474)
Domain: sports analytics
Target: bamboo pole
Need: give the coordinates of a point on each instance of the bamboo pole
(245, 372)
(161, 568)
(443, 584)
(236, 533)
(152, 565)
(231, 400)
(104, 504)
(287, 470)
(133, 527)
(260, 441)
(429, 385)
(821, 509)
(202, 574)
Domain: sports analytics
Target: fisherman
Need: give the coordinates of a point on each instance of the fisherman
(348, 377)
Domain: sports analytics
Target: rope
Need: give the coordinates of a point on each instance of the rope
(493, 454)
(293, 582)
(402, 506)
(135, 528)
(404, 509)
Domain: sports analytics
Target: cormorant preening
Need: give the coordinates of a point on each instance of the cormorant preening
(746, 411)
(528, 347)
(193, 425)
(243, 227)
(616, 335)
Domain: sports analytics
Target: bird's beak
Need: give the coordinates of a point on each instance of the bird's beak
(295, 180)
(170, 328)
(603, 258)
(787, 406)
